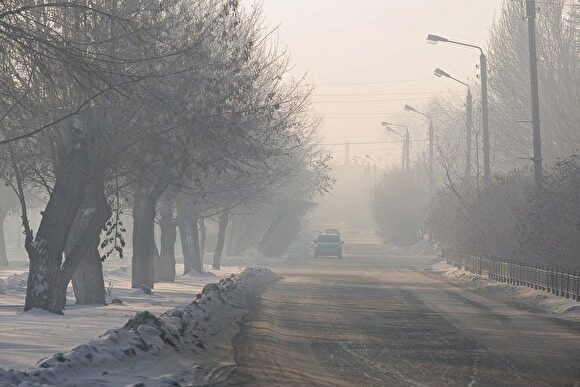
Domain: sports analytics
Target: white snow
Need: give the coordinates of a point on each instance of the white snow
(522, 295)
(440, 266)
(14, 283)
(171, 349)
(460, 274)
(26, 338)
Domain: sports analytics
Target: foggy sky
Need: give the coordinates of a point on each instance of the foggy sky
(338, 42)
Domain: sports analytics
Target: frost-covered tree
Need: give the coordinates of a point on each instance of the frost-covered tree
(559, 81)
(131, 101)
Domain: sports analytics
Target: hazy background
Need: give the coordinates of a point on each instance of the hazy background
(368, 58)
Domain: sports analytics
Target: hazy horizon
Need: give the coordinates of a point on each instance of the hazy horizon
(367, 59)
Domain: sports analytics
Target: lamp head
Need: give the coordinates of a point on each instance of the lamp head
(434, 39)
(440, 73)
(409, 108)
(387, 125)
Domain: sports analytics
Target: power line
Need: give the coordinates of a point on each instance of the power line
(548, 3)
(355, 117)
(384, 94)
(383, 142)
(377, 100)
(362, 143)
(372, 83)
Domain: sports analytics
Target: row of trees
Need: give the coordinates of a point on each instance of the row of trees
(507, 218)
(176, 110)
(398, 205)
(559, 74)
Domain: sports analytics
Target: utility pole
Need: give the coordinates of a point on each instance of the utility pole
(404, 157)
(431, 140)
(408, 151)
(468, 130)
(537, 136)
(113, 32)
(485, 118)
(478, 172)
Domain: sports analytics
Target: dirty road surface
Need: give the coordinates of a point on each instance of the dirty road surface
(380, 320)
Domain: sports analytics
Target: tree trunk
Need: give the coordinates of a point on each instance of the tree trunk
(189, 232)
(156, 259)
(273, 227)
(142, 273)
(230, 240)
(47, 281)
(87, 280)
(219, 249)
(264, 246)
(142, 262)
(185, 234)
(168, 238)
(202, 239)
(3, 255)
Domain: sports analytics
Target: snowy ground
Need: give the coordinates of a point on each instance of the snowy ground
(421, 248)
(26, 338)
(187, 345)
(520, 295)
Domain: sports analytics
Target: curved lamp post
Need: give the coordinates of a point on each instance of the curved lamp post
(409, 108)
(469, 117)
(434, 39)
(406, 160)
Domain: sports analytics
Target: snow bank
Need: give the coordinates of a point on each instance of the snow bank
(421, 249)
(460, 274)
(531, 298)
(438, 266)
(184, 329)
(521, 295)
(16, 283)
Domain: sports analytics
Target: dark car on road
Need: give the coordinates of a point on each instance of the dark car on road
(331, 231)
(328, 245)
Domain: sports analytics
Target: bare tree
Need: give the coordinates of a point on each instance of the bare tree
(559, 78)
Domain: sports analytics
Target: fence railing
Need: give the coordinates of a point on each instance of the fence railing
(546, 278)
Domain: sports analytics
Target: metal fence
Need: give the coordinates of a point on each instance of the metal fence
(546, 278)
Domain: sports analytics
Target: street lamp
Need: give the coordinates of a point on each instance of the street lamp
(374, 169)
(469, 117)
(434, 39)
(409, 108)
(443, 74)
(406, 162)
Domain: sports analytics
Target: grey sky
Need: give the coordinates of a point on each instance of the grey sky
(338, 42)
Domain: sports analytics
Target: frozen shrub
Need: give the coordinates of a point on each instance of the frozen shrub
(510, 219)
(398, 208)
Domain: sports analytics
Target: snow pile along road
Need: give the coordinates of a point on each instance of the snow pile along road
(518, 295)
(16, 283)
(169, 350)
(462, 275)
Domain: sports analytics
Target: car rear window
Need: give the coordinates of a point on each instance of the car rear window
(328, 238)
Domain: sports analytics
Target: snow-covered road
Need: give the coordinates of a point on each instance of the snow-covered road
(385, 321)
